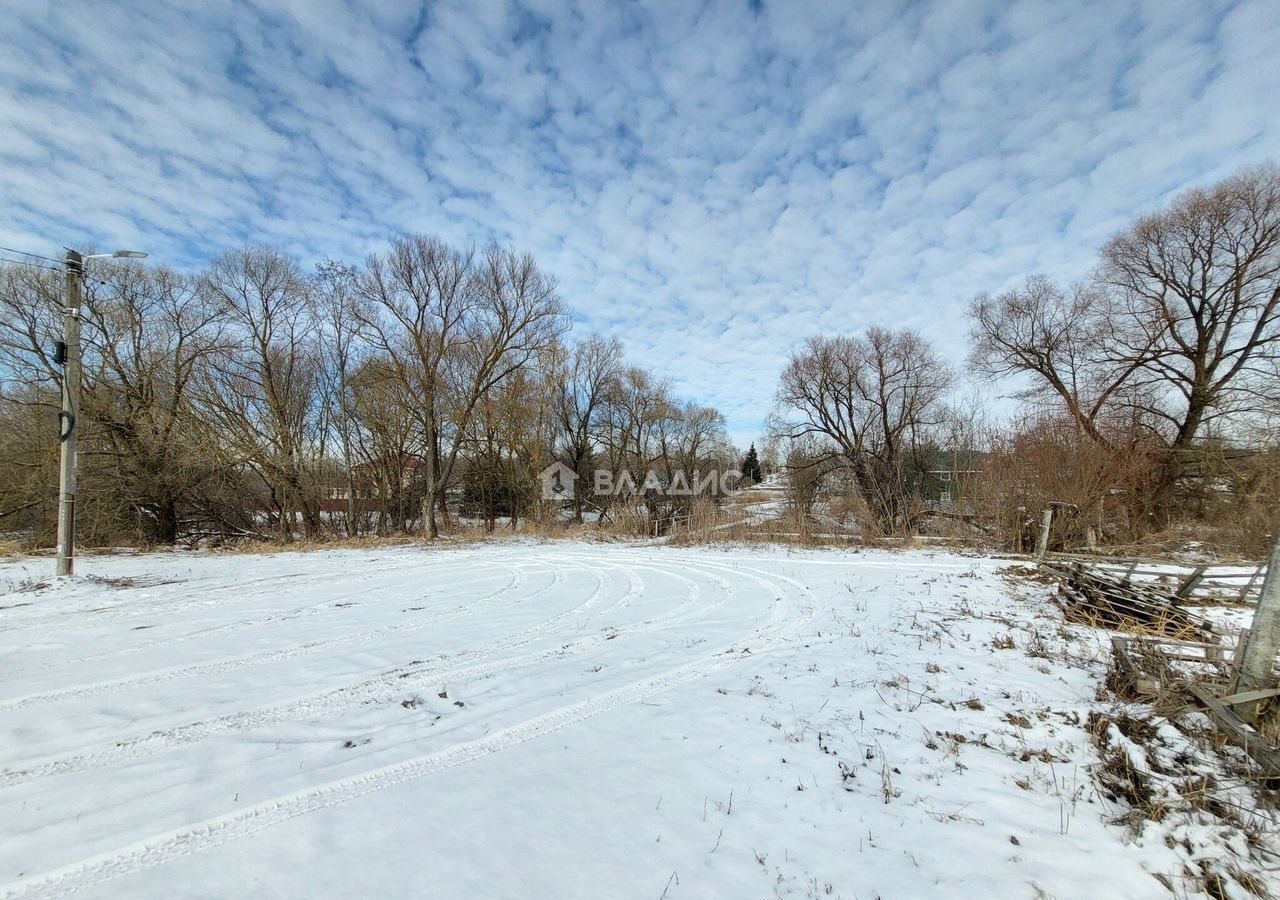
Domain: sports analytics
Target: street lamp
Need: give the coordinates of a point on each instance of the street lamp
(119, 254)
(68, 433)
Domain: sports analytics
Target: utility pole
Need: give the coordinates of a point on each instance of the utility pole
(68, 426)
(68, 417)
(1258, 664)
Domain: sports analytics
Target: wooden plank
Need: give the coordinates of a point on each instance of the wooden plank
(1179, 650)
(1120, 651)
(1130, 571)
(1166, 568)
(1257, 573)
(1238, 732)
(1139, 683)
(1189, 584)
(1215, 587)
(1098, 598)
(1249, 696)
(1237, 656)
(1156, 640)
(1146, 600)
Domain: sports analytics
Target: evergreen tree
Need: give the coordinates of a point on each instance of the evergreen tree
(751, 466)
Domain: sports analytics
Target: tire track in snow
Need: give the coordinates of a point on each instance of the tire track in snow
(308, 706)
(248, 660)
(400, 679)
(758, 575)
(169, 606)
(404, 678)
(228, 591)
(323, 606)
(219, 830)
(873, 563)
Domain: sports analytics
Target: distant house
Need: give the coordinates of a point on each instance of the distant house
(943, 485)
(942, 480)
(373, 479)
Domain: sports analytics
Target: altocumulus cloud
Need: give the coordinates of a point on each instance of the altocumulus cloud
(710, 181)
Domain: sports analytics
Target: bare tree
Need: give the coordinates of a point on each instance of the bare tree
(453, 328)
(262, 390)
(689, 445)
(499, 479)
(1178, 329)
(518, 318)
(1194, 301)
(149, 333)
(387, 437)
(637, 406)
(30, 323)
(700, 439)
(587, 379)
(868, 399)
(31, 303)
(339, 321)
(422, 292)
(1058, 337)
(230, 402)
(145, 332)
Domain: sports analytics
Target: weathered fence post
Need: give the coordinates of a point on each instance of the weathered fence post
(1042, 541)
(1253, 579)
(1191, 583)
(1258, 663)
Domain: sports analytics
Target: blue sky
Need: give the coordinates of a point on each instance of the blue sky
(712, 183)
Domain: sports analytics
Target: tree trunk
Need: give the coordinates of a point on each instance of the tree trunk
(164, 530)
(433, 461)
(429, 517)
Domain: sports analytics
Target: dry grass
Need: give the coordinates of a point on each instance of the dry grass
(729, 525)
(1268, 721)
(1028, 573)
(708, 523)
(1182, 782)
(1119, 779)
(452, 533)
(1227, 545)
(336, 542)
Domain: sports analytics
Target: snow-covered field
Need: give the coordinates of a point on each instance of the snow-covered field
(551, 720)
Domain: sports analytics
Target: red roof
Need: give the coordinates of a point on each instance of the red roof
(407, 461)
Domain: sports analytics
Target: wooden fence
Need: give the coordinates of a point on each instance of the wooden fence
(1190, 583)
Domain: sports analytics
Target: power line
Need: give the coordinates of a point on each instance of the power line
(26, 262)
(25, 253)
(58, 268)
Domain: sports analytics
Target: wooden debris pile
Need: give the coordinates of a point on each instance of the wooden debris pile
(1199, 585)
(1170, 657)
(1100, 599)
(1156, 667)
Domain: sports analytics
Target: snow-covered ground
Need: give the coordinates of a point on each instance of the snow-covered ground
(551, 720)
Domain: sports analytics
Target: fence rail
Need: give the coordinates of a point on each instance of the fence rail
(1219, 583)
